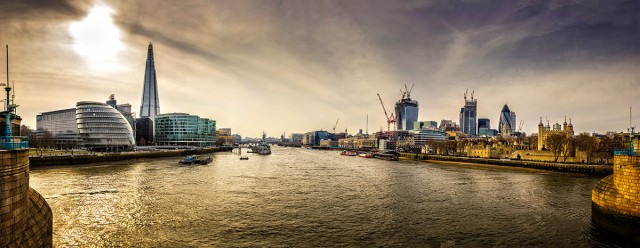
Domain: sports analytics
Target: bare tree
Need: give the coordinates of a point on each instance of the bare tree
(607, 145)
(568, 148)
(587, 144)
(531, 142)
(460, 147)
(556, 143)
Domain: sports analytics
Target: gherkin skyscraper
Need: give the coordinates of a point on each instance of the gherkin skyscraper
(150, 106)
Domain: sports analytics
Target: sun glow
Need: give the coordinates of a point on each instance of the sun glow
(97, 38)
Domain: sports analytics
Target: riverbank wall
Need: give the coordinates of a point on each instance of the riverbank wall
(86, 159)
(26, 219)
(572, 168)
(616, 198)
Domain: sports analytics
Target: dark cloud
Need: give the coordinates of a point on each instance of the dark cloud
(40, 9)
(601, 42)
(182, 45)
(334, 56)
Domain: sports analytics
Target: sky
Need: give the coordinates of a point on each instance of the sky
(298, 66)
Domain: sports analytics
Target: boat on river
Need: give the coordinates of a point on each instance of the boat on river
(203, 160)
(387, 155)
(348, 153)
(187, 160)
(366, 155)
(192, 159)
(263, 148)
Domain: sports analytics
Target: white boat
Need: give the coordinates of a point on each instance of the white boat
(263, 148)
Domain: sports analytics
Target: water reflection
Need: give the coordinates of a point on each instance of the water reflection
(298, 197)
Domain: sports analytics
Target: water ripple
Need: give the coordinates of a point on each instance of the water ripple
(305, 198)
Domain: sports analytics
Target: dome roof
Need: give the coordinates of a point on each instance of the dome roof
(505, 108)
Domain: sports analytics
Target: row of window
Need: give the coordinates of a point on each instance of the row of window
(104, 120)
(93, 110)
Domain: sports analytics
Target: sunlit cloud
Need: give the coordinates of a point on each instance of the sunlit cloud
(97, 38)
(295, 66)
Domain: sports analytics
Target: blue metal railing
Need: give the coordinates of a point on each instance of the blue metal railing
(620, 151)
(14, 142)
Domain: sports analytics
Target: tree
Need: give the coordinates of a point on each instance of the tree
(607, 145)
(556, 143)
(587, 144)
(460, 147)
(29, 133)
(568, 148)
(531, 142)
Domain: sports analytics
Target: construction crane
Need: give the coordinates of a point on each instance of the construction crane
(408, 91)
(390, 119)
(334, 126)
(520, 128)
(406, 94)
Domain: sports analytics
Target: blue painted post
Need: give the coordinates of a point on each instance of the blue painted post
(8, 124)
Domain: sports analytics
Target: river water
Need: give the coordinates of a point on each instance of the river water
(298, 197)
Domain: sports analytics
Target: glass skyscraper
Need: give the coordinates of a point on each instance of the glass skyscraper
(468, 117)
(150, 106)
(406, 113)
(507, 121)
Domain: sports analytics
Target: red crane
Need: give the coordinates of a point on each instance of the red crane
(390, 119)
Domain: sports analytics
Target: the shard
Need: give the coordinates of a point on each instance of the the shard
(150, 106)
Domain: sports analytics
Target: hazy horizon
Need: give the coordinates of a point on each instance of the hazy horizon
(297, 66)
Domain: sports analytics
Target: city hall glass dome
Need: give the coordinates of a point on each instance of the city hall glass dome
(102, 127)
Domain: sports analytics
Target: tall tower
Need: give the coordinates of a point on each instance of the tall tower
(468, 116)
(406, 113)
(406, 110)
(507, 125)
(150, 106)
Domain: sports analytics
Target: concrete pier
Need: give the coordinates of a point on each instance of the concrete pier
(25, 216)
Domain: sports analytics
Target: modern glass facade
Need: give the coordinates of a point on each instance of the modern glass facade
(180, 129)
(102, 127)
(144, 131)
(59, 126)
(150, 106)
(406, 113)
(314, 138)
(468, 117)
(423, 135)
(424, 125)
(484, 123)
(507, 120)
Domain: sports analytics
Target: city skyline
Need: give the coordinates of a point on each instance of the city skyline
(298, 66)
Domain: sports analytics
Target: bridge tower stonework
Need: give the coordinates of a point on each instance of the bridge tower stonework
(25, 217)
(616, 198)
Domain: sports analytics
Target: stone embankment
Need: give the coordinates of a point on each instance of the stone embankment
(25, 217)
(572, 168)
(85, 159)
